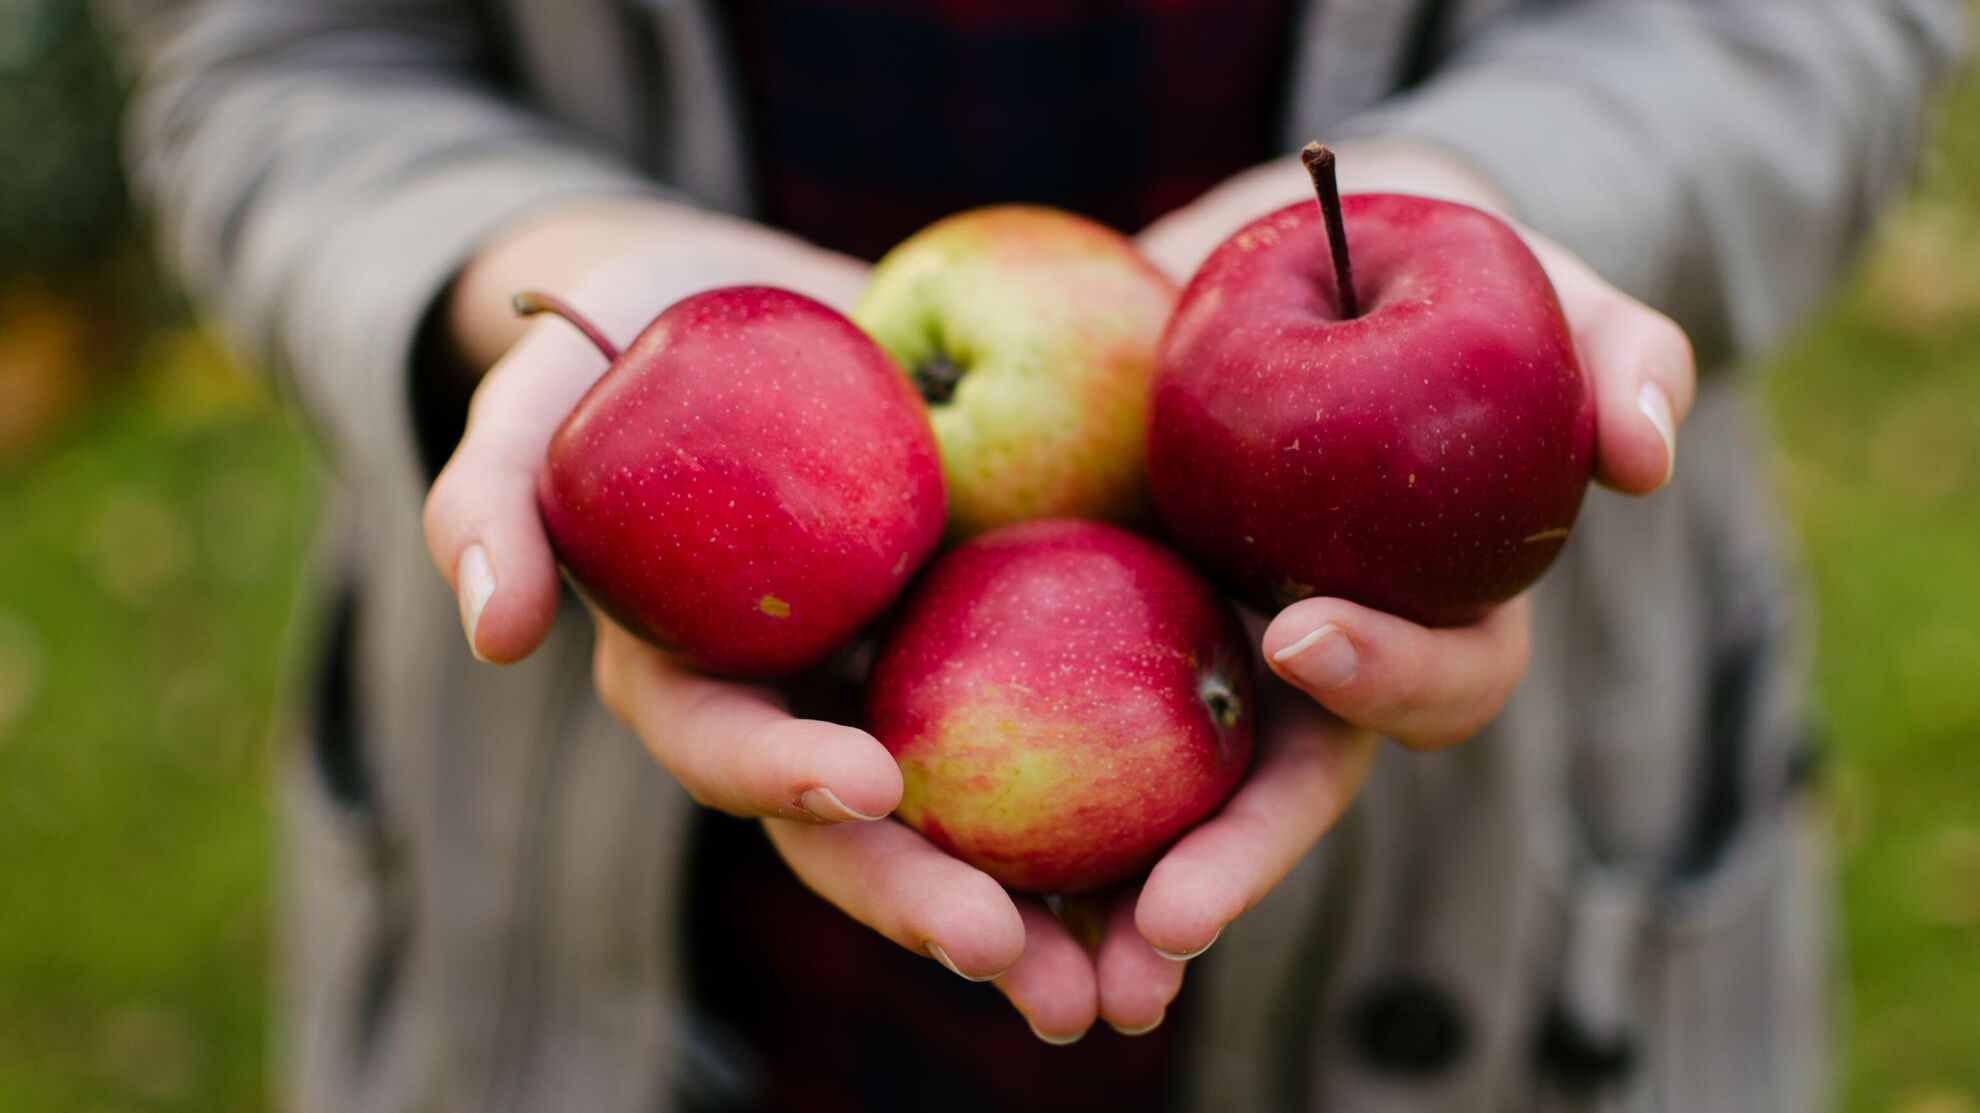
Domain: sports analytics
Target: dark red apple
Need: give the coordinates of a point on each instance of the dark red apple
(1422, 449)
(748, 485)
(1065, 699)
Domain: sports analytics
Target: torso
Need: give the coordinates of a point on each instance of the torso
(870, 119)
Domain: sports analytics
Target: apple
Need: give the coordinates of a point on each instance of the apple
(1405, 427)
(749, 484)
(1031, 334)
(1065, 699)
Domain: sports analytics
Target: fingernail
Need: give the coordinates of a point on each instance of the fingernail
(1174, 957)
(476, 577)
(1655, 406)
(826, 805)
(1056, 1041)
(936, 952)
(1324, 659)
(1144, 1029)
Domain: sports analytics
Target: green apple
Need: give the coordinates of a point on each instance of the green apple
(1031, 333)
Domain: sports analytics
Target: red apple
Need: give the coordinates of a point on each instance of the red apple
(1065, 699)
(748, 485)
(1031, 333)
(1422, 450)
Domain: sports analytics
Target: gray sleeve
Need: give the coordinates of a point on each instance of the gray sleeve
(319, 169)
(1719, 159)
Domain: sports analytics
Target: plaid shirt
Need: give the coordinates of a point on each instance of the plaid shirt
(872, 118)
(805, 1011)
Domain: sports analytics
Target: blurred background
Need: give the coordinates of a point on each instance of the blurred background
(157, 507)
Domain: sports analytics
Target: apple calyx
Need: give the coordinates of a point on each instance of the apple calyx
(936, 377)
(1226, 709)
(529, 303)
(1319, 163)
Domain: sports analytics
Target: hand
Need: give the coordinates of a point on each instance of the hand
(1426, 688)
(732, 746)
(621, 263)
(1310, 763)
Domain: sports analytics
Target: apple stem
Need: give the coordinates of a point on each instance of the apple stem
(529, 303)
(1319, 163)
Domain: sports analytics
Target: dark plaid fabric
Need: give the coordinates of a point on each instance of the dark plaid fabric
(801, 1010)
(871, 118)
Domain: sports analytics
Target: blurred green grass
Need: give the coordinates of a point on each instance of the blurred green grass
(152, 556)
(1876, 415)
(150, 560)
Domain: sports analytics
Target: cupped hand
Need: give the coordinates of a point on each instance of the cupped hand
(620, 263)
(1423, 687)
(733, 746)
(1434, 687)
(1367, 673)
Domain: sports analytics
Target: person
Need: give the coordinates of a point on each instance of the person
(1613, 897)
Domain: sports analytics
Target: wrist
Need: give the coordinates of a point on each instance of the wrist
(1398, 164)
(1376, 164)
(565, 249)
(1180, 241)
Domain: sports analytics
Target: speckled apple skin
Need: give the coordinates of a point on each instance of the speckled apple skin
(1426, 458)
(1044, 690)
(1054, 319)
(748, 485)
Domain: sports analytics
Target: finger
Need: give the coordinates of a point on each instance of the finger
(1641, 367)
(892, 880)
(1053, 984)
(482, 526)
(735, 748)
(1309, 768)
(1136, 984)
(1425, 687)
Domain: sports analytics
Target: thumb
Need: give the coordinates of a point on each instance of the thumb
(1425, 687)
(1640, 364)
(483, 530)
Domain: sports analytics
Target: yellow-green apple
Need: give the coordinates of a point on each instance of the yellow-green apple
(1404, 426)
(1031, 333)
(1065, 699)
(749, 484)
